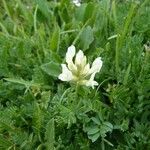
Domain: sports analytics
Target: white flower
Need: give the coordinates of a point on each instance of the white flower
(66, 74)
(77, 2)
(79, 70)
(147, 46)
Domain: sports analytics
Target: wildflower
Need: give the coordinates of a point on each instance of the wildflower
(79, 70)
(147, 46)
(77, 2)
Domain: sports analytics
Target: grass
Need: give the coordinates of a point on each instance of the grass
(38, 111)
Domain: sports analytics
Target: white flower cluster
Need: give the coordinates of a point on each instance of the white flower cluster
(79, 71)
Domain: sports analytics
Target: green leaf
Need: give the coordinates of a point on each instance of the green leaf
(89, 11)
(80, 11)
(50, 135)
(21, 81)
(93, 130)
(108, 125)
(86, 37)
(68, 115)
(52, 69)
(96, 120)
(94, 137)
(43, 6)
(37, 118)
(125, 81)
(4, 143)
(54, 42)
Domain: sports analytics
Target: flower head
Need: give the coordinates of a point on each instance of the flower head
(78, 70)
(77, 2)
(147, 47)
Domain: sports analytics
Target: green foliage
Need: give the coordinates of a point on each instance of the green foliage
(50, 134)
(86, 37)
(38, 111)
(54, 42)
(52, 69)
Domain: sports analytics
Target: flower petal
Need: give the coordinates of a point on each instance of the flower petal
(96, 65)
(80, 59)
(66, 75)
(69, 58)
(70, 53)
(77, 3)
(86, 69)
(72, 67)
(91, 81)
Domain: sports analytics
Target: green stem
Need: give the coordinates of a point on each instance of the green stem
(114, 14)
(122, 37)
(77, 90)
(68, 31)
(78, 36)
(7, 9)
(102, 144)
(35, 19)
